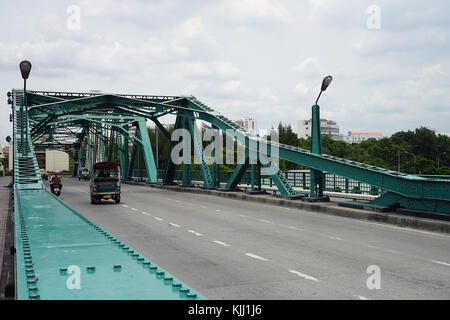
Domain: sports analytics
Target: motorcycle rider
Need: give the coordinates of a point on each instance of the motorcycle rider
(55, 180)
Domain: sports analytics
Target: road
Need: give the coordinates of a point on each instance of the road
(233, 249)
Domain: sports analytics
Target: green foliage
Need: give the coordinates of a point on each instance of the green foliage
(420, 151)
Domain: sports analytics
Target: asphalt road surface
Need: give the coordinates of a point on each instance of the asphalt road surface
(233, 249)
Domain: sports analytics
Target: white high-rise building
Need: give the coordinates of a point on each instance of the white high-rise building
(327, 127)
(249, 124)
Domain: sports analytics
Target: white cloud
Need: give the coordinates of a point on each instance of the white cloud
(266, 93)
(301, 89)
(257, 9)
(310, 66)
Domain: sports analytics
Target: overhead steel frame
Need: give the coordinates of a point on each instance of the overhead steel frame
(47, 109)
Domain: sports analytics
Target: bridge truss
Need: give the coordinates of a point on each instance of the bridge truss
(114, 127)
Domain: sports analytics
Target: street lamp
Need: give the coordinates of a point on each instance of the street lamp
(25, 68)
(325, 83)
(317, 176)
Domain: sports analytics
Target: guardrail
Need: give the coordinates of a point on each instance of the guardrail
(298, 179)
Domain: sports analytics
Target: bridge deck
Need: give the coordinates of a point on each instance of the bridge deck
(50, 237)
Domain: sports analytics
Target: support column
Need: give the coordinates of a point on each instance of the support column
(148, 153)
(317, 178)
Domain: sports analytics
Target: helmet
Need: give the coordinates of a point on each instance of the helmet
(56, 171)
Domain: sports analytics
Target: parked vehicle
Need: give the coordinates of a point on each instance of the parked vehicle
(105, 182)
(84, 174)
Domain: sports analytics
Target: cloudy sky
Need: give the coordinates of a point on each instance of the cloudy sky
(259, 58)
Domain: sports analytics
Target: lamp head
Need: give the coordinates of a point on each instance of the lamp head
(25, 68)
(326, 82)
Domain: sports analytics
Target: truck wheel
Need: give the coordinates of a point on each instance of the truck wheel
(117, 199)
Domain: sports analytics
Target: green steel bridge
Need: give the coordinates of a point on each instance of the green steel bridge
(51, 237)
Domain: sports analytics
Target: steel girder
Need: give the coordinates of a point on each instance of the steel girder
(416, 189)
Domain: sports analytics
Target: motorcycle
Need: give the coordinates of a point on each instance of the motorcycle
(56, 190)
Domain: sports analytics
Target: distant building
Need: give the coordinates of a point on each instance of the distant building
(248, 124)
(359, 136)
(327, 127)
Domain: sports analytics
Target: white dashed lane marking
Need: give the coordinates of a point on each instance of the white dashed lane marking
(254, 256)
(159, 219)
(195, 232)
(305, 276)
(221, 243)
(174, 225)
(442, 263)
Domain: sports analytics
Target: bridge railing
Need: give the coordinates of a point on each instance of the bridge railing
(298, 179)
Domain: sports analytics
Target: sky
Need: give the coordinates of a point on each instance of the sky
(264, 59)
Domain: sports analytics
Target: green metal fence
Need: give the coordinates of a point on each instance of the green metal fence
(298, 179)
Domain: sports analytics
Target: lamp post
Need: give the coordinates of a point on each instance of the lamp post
(25, 68)
(316, 176)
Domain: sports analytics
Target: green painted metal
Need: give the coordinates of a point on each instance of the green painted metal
(51, 237)
(46, 108)
(148, 153)
(199, 154)
(317, 178)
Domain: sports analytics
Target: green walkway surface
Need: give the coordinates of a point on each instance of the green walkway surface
(53, 239)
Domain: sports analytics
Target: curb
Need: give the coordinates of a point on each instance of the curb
(330, 208)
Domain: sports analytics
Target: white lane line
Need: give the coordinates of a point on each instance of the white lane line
(440, 262)
(195, 232)
(382, 249)
(295, 228)
(204, 207)
(159, 219)
(336, 238)
(174, 225)
(254, 256)
(217, 210)
(147, 214)
(177, 201)
(134, 209)
(305, 276)
(242, 216)
(360, 297)
(221, 243)
(168, 199)
(266, 221)
(124, 205)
